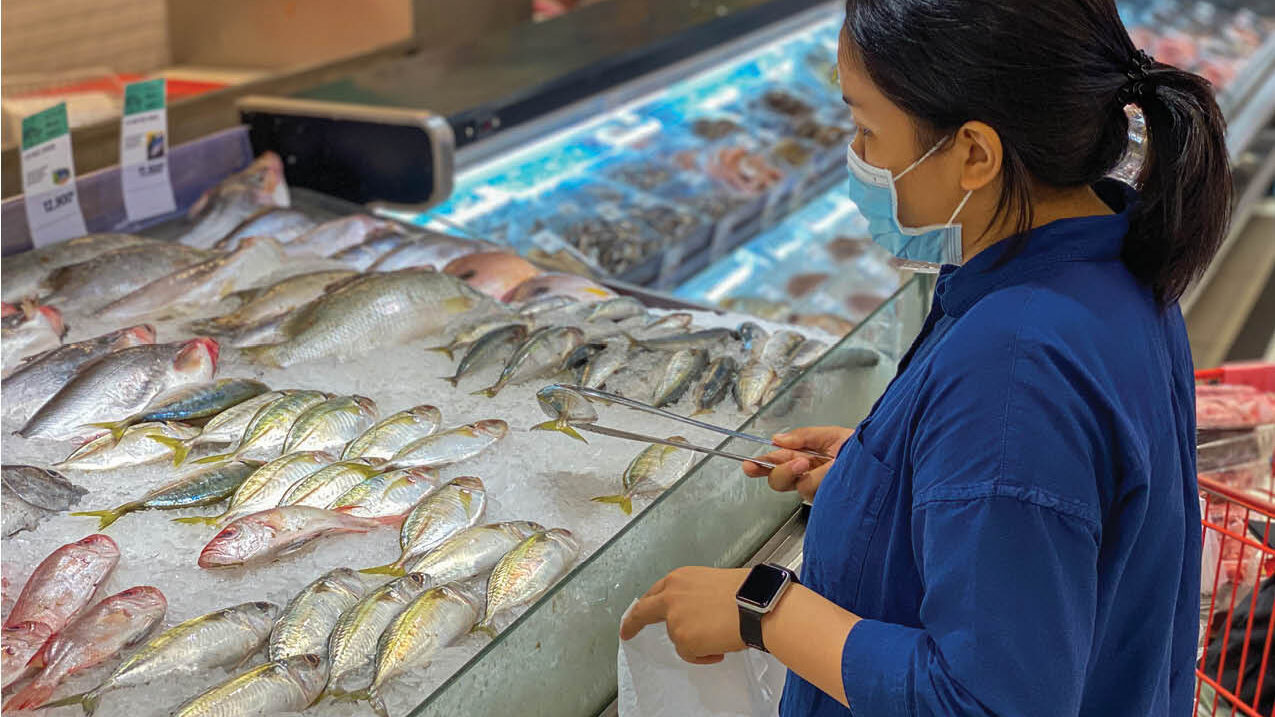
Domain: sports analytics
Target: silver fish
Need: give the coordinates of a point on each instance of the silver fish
(536, 308)
(693, 340)
(487, 348)
(666, 325)
(201, 283)
(192, 402)
(807, 353)
(466, 335)
(310, 615)
(274, 300)
(327, 484)
(753, 336)
(92, 284)
(605, 364)
(120, 384)
(779, 347)
(226, 427)
(136, 446)
(384, 439)
(272, 534)
(330, 425)
(644, 473)
(471, 552)
(363, 256)
(380, 310)
(542, 353)
(41, 331)
(719, 378)
(31, 494)
(333, 236)
(273, 688)
(682, 370)
(280, 223)
(239, 196)
(270, 330)
(219, 639)
(22, 273)
(565, 407)
(266, 486)
(266, 433)
(617, 309)
(451, 446)
(352, 645)
(436, 252)
(753, 384)
(388, 497)
(527, 572)
(456, 506)
(206, 486)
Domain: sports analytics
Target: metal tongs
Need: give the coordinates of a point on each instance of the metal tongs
(609, 398)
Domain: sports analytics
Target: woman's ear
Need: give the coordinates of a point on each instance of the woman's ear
(981, 154)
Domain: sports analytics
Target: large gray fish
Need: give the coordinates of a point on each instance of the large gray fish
(22, 273)
(379, 310)
(280, 223)
(471, 552)
(120, 384)
(273, 688)
(681, 371)
(328, 483)
(333, 236)
(207, 486)
(542, 353)
(330, 425)
(388, 497)
(258, 186)
(41, 331)
(135, 446)
(222, 638)
(226, 427)
(266, 486)
(487, 349)
(435, 251)
(41, 376)
(202, 283)
(527, 572)
(719, 378)
(266, 433)
(456, 506)
(384, 439)
(310, 615)
(98, 634)
(193, 402)
(352, 645)
(451, 446)
(90, 285)
(275, 300)
(363, 256)
(31, 494)
(565, 407)
(272, 534)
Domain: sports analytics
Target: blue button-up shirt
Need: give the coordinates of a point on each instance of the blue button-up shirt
(1017, 519)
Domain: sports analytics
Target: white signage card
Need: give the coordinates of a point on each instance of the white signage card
(148, 191)
(48, 178)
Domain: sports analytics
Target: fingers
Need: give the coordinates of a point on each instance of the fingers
(775, 457)
(784, 477)
(647, 611)
(819, 438)
(707, 659)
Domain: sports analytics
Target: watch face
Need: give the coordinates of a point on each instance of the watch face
(761, 585)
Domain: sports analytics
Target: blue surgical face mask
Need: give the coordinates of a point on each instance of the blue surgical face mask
(923, 249)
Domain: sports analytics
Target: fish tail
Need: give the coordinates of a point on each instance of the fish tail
(485, 628)
(394, 569)
(199, 519)
(489, 392)
(213, 459)
(116, 428)
(378, 704)
(86, 700)
(701, 411)
(624, 501)
(179, 447)
(444, 350)
(105, 517)
(561, 427)
(453, 380)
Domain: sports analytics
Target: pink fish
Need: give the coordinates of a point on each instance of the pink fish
(271, 534)
(21, 642)
(495, 273)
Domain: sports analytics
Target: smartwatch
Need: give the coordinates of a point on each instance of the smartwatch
(759, 594)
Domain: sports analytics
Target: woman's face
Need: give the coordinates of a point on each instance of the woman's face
(887, 138)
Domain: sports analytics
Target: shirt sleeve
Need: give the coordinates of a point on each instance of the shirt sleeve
(1005, 533)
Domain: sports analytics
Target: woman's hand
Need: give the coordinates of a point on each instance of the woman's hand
(699, 609)
(797, 471)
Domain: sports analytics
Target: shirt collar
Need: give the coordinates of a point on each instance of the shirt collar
(1093, 238)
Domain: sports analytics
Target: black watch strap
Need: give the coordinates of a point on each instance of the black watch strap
(750, 629)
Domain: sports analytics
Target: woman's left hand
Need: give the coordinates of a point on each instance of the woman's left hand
(699, 609)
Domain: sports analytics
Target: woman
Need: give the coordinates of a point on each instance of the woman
(1014, 528)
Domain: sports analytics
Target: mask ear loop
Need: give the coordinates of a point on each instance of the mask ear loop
(924, 157)
(959, 207)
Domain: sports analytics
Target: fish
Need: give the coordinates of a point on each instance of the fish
(434, 251)
(471, 552)
(458, 505)
(808, 352)
(21, 642)
(221, 638)
(202, 283)
(22, 273)
(310, 615)
(120, 384)
(379, 310)
(779, 347)
(220, 209)
(389, 496)
(352, 644)
(465, 337)
(364, 255)
(643, 473)
(752, 385)
(565, 407)
(669, 323)
(329, 483)
(495, 273)
(535, 308)
(333, 236)
(279, 223)
(98, 634)
(273, 688)
(383, 439)
(693, 340)
(604, 364)
(31, 494)
(266, 486)
(753, 336)
(41, 376)
(268, 429)
(136, 446)
(192, 402)
(266, 331)
(617, 309)
(206, 486)
(486, 348)
(556, 284)
(527, 572)
(541, 353)
(450, 446)
(226, 427)
(434, 620)
(330, 425)
(275, 533)
(59, 587)
(719, 378)
(41, 331)
(90, 285)
(681, 371)
(274, 300)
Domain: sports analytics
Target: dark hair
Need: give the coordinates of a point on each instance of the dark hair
(1051, 78)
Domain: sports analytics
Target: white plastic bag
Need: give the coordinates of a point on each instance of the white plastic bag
(655, 682)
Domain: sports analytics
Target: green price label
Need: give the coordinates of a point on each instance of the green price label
(145, 96)
(44, 126)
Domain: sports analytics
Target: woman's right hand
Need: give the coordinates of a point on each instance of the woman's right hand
(798, 471)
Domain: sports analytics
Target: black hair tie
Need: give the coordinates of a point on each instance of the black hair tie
(1140, 83)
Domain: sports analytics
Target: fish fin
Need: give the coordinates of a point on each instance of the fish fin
(624, 501)
(378, 704)
(453, 380)
(561, 428)
(263, 354)
(176, 445)
(389, 569)
(105, 517)
(445, 350)
(116, 428)
(86, 700)
(485, 628)
(489, 392)
(218, 458)
(199, 520)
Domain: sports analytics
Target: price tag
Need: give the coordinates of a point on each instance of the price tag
(148, 190)
(48, 178)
